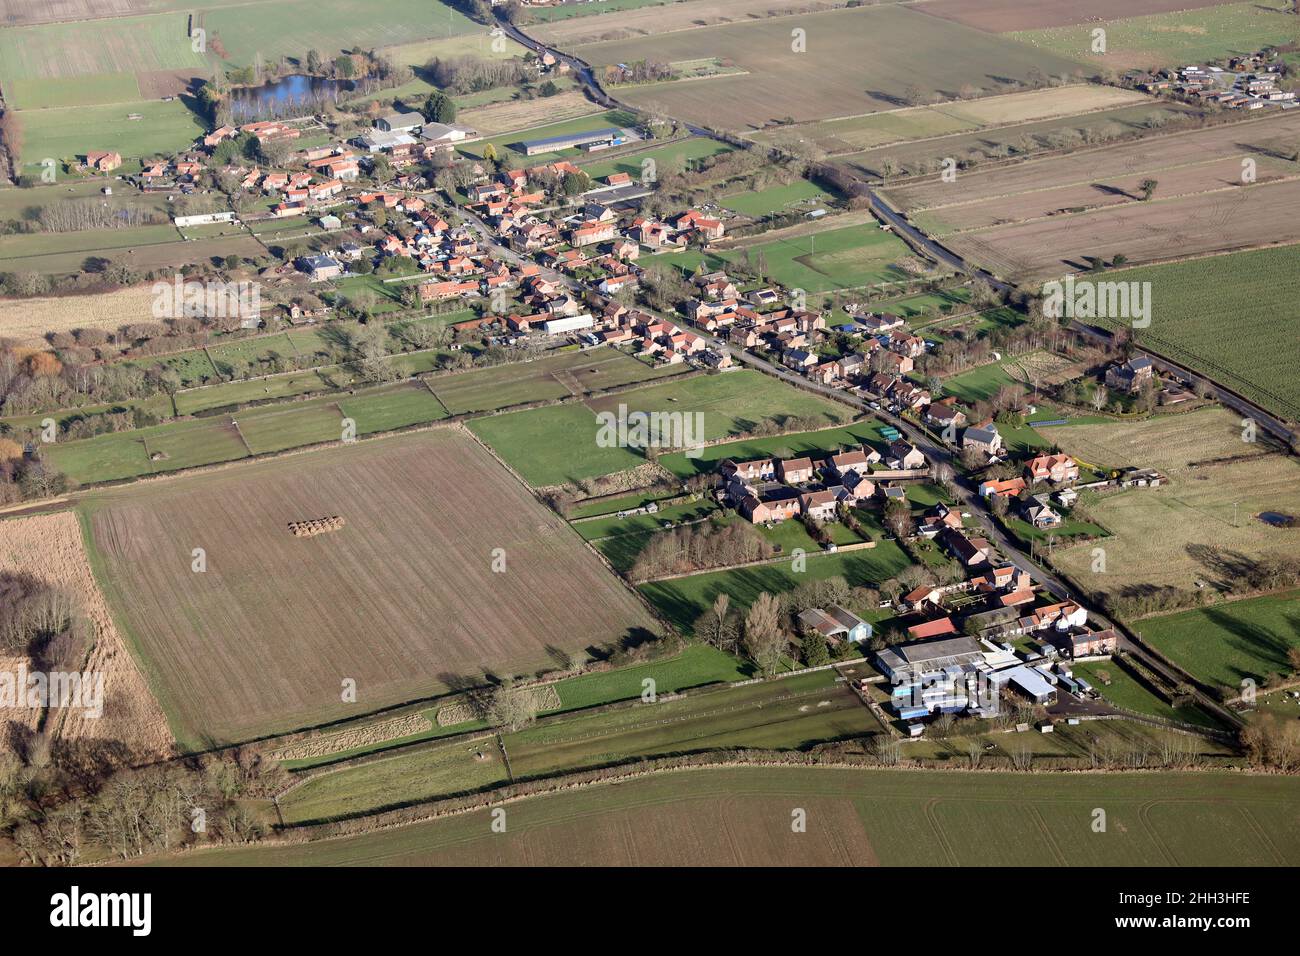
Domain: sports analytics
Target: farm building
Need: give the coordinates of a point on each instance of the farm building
(836, 623)
(591, 139)
(568, 324)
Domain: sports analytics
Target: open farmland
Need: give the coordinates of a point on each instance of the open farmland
(497, 118)
(554, 25)
(1113, 191)
(1173, 38)
(1223, 221)
(552, 377)
(1266, 137)
(1199, 527)
(852, 133)
(1255, 292)
(402, 599)
(49, 548)
(27, 320)
(741, 816)
(857, 61)
(920, 156)
(1225, 644)
(1005, 16)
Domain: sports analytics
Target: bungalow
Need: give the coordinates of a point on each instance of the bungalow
(1040, 514)
(969, 551)
(437, 291)
(795, 471)
(943, 413)
(836, 623)
(1054, 468)
(1009, 488)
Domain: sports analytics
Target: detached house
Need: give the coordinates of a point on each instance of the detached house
(1054, 468)
(1130, 376)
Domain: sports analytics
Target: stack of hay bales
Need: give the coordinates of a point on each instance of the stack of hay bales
(308, 529)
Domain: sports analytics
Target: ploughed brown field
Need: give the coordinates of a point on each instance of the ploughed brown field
(403, 599)
(1269, 137)
(1007, 16)
(1225, 221)
(1112, 191)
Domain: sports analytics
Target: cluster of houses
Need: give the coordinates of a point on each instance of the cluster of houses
(1250, 83)
(1037, 509)
(771, 490)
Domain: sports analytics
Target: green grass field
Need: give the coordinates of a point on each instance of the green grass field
(1125, 690)
(1256, 354)
(65, 134)
(855, 818)
(696, 666)
(850, 257)
(558, 444)
(776, 198)
(1173, 39)
(414, 775)
(664, 157)
(1225, 644)
(554, 445)
(683, 600)
(184, 444)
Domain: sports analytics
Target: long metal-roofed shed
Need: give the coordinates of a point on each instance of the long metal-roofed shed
(610, 136)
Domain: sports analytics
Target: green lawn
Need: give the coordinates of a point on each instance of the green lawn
(683, 600)
(1225, 644)
(776, 198)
